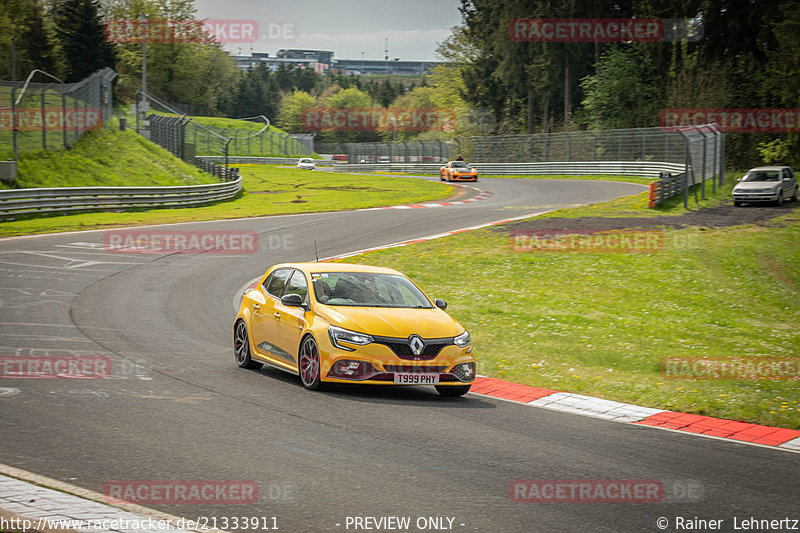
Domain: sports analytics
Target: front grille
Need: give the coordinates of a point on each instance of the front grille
(410, 368)
(402, 349)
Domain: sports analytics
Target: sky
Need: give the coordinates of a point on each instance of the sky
(345, 27)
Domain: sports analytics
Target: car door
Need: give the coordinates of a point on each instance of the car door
(290, 321)
(791, 183)
(264, 322)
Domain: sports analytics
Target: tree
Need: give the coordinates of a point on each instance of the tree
(291, 110)
(350, 98)
(621, 94)
(80, 35)
(26, 23)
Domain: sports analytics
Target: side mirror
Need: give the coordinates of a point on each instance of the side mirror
(787, 178)
(292, 300)
(441, 304)
(740, 179)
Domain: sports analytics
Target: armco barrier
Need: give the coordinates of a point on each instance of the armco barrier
(68, 199)
(647, 169)
(243, 160)
(667, 186)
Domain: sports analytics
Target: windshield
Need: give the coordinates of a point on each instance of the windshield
(762, 175)
(459, 164)
(367, 289)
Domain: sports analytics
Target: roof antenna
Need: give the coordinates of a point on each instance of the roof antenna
(316, 254)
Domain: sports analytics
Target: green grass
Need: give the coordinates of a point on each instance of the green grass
(600, 324)
(636, 205)
(107, 158)
(269, 190)
(269, 146)
(29, 137)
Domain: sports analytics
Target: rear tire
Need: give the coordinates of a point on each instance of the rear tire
(795, 196)
(241, 347)
(452, 391)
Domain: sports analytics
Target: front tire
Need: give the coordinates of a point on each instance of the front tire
(779, 201)
(308, 364)
(452, 391)
(737, 203)
(241, 347)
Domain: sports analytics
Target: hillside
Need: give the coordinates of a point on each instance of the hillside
(107, 157)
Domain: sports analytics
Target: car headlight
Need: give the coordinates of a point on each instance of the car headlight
(463, 340)
(340, 335)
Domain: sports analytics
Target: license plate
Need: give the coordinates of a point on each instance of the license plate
(416, 378)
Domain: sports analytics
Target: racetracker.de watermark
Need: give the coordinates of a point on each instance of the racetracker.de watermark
(55, 366)
(193, 31)
(147, 241)
(586, 490)
(378, 119)
(50, 118)
(786, 368)
(558, 30)
(587, 241)
(181, 492)
(732, 120)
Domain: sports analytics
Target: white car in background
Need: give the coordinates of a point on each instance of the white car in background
(766, 184)
(306, 163)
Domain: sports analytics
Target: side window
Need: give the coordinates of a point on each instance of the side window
(298, 285)
(277, 281)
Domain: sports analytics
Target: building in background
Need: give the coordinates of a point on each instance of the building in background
(322, 61)
(272, 63)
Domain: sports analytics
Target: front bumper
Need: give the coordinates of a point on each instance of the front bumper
(746, 196)
(385, 363)
(464, 177)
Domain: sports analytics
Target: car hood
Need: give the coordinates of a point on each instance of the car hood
(750, 185)
(392, 322)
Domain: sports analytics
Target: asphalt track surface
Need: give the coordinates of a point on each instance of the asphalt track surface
(188, 413)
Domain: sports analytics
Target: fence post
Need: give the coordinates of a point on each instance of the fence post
(75, 118)
(15, 147)
(44, 131)
(705, 157)
(722, 158)
(64, 119)
(715, 171)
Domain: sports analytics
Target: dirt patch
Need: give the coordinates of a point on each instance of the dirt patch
(712, 217)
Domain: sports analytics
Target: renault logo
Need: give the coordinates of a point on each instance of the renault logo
(416, 344)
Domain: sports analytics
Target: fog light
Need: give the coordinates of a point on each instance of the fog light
(348, 369)
(464, 371)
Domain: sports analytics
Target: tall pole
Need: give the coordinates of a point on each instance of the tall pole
(13, 61)
(143, 19)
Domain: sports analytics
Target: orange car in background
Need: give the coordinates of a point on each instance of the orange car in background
(458, 171)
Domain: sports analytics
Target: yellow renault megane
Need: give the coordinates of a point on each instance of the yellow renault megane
(338, 323)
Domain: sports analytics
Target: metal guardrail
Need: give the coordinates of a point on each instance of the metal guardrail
(667, 186)
(244, 160)
(647, 169)
(15, 202)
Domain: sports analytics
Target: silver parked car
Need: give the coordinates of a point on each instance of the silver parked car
(306, 163)
(766, 184)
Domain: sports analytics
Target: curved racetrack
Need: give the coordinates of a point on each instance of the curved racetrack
(319, 457)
